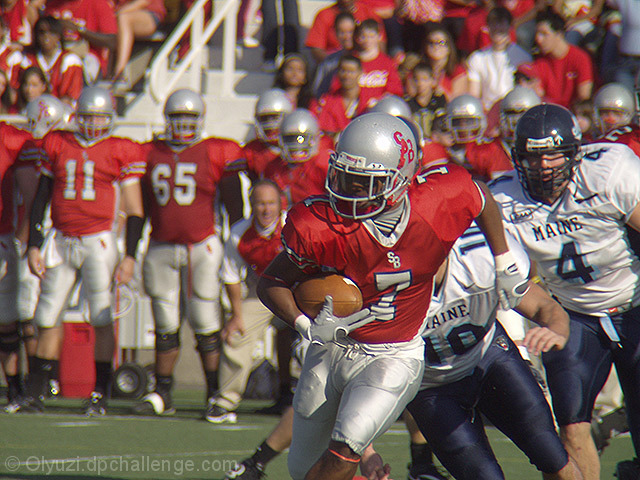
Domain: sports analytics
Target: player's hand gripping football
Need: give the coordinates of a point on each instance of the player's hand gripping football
(326, 327)
(511, 283)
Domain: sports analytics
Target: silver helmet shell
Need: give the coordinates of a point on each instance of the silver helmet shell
(613, 107)
(512, 106)
(46, 113)
(271, 108)
(465, 118)
(95, 113)
(299, 136)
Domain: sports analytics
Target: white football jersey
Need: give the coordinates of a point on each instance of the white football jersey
(461, 318)
(579, 242)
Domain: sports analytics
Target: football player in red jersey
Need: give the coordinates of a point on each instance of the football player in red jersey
(613, 111)
(182, 174)
(362, 370)
(484, 158)
(301, 168)
(271, 108)
(79, 175)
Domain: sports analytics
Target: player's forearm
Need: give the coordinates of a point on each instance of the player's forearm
(540, 308)
(99, 40)
(490, 222)
(278, 298)
(234, 292)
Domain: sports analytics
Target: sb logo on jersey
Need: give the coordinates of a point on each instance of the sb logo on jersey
(394, 260)
(407, 154)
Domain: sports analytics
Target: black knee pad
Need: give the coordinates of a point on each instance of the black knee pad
(166, 342)
(208, 343)
(10, 340)
(26, 330)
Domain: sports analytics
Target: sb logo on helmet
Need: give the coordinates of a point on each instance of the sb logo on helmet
(407, 153)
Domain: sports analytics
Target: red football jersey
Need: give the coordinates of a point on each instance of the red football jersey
(302, 180)
(334, 116)
(487, 158)
(64, 73)
(13, 138)
(16, 20)
(258, 251)
(95, 15)
(258, 155)
(628, 135)
(395, 280)
(6, 191)
(83, 201)
(180, 187)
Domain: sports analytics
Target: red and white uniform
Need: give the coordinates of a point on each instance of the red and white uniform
(13, 138)
(628, 135)
(83, 201)
(299, 181)
(322, 33)
(83, 206)
(396, 277)
(258, 155)
(16, 20)
(353, 389)
(379, 77)
(484, 159)
(96, 16)
(64, 73)
(180, 189)
(560, 77)
(11, 63)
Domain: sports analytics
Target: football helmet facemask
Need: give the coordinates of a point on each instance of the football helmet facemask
(299, 136)
(271, 108)
(465, 119)
(613, 107)
(184, 117)
(512, 106)
(374, 163)
(552, 132)
(95, 113)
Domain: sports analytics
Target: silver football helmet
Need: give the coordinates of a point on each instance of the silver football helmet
(512, 107)
(271, 108)
(465, 118)
(374, 163)
(95, 113)
(613, 107)
(393, 105)
(184, 117)
(46, 113)
(299, 136)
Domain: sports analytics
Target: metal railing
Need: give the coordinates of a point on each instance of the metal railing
(163, 77)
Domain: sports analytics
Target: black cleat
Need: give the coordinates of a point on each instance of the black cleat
(96, 406)
(217, 414)
(628, 470)
(25, 405)
(608, 426)
(425, 472)
(155, 403)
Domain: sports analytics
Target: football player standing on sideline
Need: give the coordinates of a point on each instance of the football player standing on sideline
(390, 240)
(182, 174)
(568, 205)
(78, 178)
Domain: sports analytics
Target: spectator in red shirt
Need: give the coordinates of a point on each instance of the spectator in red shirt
(10, 59)
(62, 68)
(564, 72)
(441, 54)
(321, 38)
(136, 18)
(379, 71)
(339, 107)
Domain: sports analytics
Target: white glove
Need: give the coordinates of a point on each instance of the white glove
(511, 283)
(326, 327)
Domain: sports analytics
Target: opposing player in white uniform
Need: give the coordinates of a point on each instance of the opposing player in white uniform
(568, 205)
(473, 367)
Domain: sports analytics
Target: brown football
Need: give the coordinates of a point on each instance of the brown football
(347, 298)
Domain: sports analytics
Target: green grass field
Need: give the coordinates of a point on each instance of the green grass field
(62, 444)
